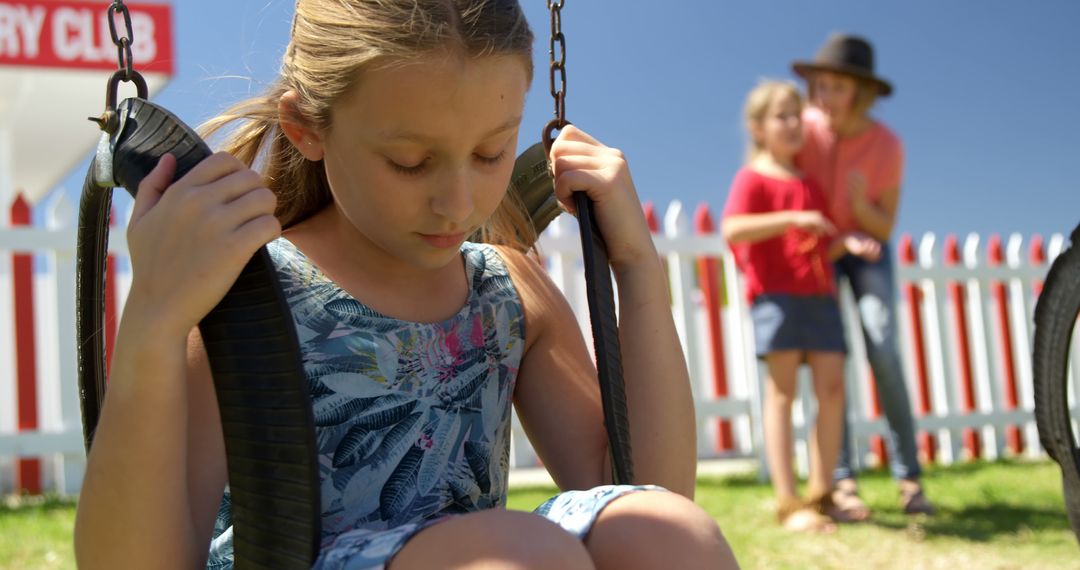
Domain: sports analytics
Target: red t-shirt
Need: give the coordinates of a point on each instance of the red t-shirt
(795, 262)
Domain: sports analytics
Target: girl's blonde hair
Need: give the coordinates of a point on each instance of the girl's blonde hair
(332, 43)
(757, 105)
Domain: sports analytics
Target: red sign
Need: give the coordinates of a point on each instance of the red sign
(74, 34)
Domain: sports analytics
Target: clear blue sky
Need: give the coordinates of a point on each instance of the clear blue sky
(986, 97)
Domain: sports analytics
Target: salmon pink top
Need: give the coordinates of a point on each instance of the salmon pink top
(876, 154)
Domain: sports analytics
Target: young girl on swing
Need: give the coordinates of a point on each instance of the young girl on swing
(782, 242)
(387, 141)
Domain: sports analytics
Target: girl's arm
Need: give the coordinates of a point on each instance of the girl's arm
(133, 508)
(156, 473)
(876, 219)
(156, 469)
(557, 395)
(752, 228)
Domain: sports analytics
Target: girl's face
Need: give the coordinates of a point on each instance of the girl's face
(834, 94)
(419, 155)
(780, 131)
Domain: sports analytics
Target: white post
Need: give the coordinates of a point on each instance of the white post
(46, 357)
(1021, 315)
(681, 275)
(742, 363)
(856, 396)
(936, 332)
(7, 351)
(984, 340)
(7, 168)
(61, 216)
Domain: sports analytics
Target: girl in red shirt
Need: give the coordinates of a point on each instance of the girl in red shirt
(783, 241)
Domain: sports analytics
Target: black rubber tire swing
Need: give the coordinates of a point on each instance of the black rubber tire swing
(1056, 316)
(251, 343)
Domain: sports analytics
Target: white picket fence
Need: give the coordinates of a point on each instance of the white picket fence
(965, 313)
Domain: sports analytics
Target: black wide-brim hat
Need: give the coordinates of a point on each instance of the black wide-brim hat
(849, 55)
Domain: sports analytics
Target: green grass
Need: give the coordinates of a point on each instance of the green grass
(1002, 515)
(35, 532)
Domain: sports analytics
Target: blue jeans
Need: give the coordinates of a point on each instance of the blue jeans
(874, 286)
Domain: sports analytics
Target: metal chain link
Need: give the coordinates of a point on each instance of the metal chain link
(125, 72)
(557, 71)
(123, 43)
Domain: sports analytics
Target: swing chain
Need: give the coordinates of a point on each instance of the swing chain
(557, 72)
(123, 43)
(108, 121)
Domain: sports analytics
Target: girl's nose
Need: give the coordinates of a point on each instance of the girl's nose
(453, 198)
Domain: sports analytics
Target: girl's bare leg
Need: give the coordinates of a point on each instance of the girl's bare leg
(779, 396)
(654, 529)
(828, 372)
(495, 539)
(776, 416)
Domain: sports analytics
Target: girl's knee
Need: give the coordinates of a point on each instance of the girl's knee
(496, 538)
(828, 371)
(829, 390)
(656, 529)
(780, 393)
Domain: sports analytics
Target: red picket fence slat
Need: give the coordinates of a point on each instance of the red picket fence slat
(28, 470)
(958, 300)
(914, 296)
(711, 286)
(995, 258)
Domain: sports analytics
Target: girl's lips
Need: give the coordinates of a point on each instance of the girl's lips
(443, 240)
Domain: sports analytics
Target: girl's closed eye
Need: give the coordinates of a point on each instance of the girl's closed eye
(414, 168)
(409, 168)
(490, 159)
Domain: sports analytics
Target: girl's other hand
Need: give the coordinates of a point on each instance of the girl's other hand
(812, 221)
(581, 163)
(862, 245)
(190, 239)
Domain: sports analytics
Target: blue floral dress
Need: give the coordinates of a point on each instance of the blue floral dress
(412, 420)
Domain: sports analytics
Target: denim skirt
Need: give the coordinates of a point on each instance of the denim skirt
(808, 323)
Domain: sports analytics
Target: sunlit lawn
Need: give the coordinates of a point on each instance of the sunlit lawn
(1001, 515)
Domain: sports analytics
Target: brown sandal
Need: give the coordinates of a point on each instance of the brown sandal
(845, 505)
(916, 503)
(797, 515)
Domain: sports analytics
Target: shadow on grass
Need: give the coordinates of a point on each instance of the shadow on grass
(731, 481)
(979, 523)
(962, 468)
(988, 501)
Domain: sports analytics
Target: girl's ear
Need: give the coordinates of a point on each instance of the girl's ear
(757, 133)
(305, 139)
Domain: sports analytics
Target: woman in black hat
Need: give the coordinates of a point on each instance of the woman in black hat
(858, 161)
